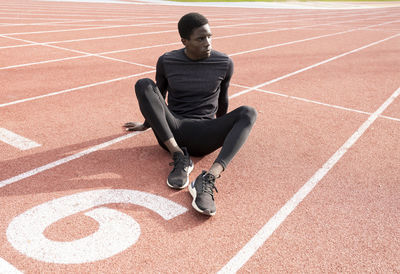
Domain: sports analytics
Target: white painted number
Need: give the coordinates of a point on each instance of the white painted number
(6, 267)
(117, 231)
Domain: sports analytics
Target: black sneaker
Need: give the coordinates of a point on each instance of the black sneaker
(202, 192)
(179, 176)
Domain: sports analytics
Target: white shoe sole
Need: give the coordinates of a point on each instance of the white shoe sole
(187, 179)
(193, 192)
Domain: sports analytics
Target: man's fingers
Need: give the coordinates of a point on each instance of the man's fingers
(133, 126)
(129, 124)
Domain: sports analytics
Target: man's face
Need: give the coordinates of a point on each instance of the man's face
(199, 45)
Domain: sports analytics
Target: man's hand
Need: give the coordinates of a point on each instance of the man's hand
(134, 126)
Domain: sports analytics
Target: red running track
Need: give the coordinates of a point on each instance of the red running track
(314, 189)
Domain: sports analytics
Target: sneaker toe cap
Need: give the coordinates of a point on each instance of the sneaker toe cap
(206, 205)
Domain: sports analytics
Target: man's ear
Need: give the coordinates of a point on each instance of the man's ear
(184, 41)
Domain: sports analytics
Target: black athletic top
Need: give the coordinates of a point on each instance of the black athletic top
(196, 89)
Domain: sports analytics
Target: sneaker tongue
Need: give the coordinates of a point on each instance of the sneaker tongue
(179, 160)
(177, 154)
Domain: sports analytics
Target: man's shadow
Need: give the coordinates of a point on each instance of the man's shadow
(137, 167)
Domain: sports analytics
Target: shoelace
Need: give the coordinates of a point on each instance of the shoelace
(179, 159)
(209, 184)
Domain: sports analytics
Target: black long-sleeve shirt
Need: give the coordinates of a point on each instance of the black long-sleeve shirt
(196, 89)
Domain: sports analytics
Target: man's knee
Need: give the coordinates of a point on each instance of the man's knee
(248, 114)
(142, 85)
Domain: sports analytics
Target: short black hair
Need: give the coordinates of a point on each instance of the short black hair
(189, 22)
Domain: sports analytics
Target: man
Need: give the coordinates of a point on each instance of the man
(195, 121)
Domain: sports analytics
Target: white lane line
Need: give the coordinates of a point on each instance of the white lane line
(66, 159)
(73, 89)
(16, 140)
(266, 231)
(305, 100)
(390, 118)
(6, 267)
(47, 61)
(316, 102)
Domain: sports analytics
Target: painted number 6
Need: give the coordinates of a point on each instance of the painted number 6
(117, 231)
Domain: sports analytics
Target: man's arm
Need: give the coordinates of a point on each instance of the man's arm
(161, 79)
(223, 100)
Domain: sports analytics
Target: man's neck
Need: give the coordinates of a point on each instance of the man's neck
(188, 55)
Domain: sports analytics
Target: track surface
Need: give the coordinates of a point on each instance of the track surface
(315, 188)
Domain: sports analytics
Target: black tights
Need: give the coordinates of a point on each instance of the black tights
(199, 136)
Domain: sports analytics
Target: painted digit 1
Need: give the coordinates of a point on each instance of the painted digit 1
(117, 231)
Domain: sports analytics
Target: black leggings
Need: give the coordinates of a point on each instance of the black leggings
(199, 136)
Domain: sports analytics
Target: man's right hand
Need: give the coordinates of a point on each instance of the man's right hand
(134, 126)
